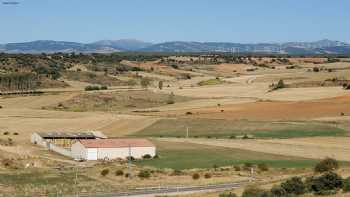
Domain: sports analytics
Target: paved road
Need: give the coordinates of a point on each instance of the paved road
(169, 191)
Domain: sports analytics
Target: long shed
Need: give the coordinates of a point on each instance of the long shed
(112, 149)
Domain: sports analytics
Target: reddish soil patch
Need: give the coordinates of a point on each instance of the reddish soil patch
(275, 110)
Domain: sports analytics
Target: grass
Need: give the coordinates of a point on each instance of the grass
(226, 128)
(34, 182)
(210, 82)
(180, 156)
(112, 101)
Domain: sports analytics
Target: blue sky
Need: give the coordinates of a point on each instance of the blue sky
(246, 21)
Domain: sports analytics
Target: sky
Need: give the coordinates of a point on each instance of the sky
(244, 21)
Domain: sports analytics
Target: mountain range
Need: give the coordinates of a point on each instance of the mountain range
(109, 46)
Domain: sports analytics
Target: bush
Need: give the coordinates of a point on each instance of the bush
(280, 84)
(316, 69)
(147, 156)
(263, 167)
(15, 133)
(6, 133)
(177, 172)
(230, 194)
(91, 88)
(327, 182)
(119, 173)
(131, 158)
(326, 165)
(104, 88)
(248, 166)
(294, 186)
(253, 192)
(237, 168)
(127, 175)
(278, 191)
(346, 185)
(145, 174)
(156, 157)
(195, 176)
(207, 175)
(105, 172)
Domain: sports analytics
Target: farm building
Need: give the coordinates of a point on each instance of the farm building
(112, 149)
(63, 139)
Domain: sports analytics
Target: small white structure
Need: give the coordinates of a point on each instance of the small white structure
(112, 149)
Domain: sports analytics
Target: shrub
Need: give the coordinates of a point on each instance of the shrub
(177, 172)
(147, 156)
(0, 106)
(15, 133)
(91, 88)
(253, 192)
(119, 173)
(294, 186)
(346, 185)
(280, 84)
(131, 158)
(6, 133)
(145, 174)
(326, 182)
(230, 194)
(327, 164)
(171, 98)
(156, 157)
(188, 113)
(127, 175)
(263, 167)
(278, 191)
(237, 168)
(195, 176)
(105, 172)
(316, 69)
(245, 137)
(104, 88)
(207, 175)
(247, 166)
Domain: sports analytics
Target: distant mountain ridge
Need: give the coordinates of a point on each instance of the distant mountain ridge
(109, 46)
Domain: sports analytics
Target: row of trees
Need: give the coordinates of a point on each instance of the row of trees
(18, 81)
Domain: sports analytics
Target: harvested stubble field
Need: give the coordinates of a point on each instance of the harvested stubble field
(116, 101)
(312, 148)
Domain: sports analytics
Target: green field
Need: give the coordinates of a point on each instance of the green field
(187, 156)
(226, 129)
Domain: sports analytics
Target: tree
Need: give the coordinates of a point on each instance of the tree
(253, 192)
(160, 85)
(278, 191)
(327, 182)
(294, 186)
(280, 84)
(327, 164)
(145, 82)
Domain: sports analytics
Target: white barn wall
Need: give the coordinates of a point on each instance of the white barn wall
(114, 153)
(79, 151)
(37, 139)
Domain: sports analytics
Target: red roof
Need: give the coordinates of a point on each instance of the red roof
(116, 143)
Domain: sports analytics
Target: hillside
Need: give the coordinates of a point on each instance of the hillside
(110, 46)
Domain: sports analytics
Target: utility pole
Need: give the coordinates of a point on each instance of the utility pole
(76, 182)
(129, 162)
